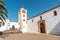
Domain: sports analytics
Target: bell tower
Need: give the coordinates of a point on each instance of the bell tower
(22, 19)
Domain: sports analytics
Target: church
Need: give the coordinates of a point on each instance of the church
(47, 22)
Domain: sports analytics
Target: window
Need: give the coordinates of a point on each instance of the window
(23, 11)
(55, 13)
(23, 19)
(32, 20)
(23, 15)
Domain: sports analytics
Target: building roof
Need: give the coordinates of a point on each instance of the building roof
(46, 11)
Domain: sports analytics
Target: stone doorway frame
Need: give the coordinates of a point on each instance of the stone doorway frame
(39, 22)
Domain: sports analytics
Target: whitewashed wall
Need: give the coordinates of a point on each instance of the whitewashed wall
(9, 25)
(4, 27)
(52, 22)
(16, 25)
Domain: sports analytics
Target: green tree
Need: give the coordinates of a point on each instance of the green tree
(3, 11)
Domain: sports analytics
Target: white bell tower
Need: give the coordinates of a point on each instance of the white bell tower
(22, 19)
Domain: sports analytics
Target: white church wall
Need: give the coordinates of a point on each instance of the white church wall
(15, 24)
(4, 27)
(33, 26)
(52, 22)
(9, 25)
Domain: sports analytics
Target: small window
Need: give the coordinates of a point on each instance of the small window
(23, 15)
(23, 19)
(32, 20)
(55, 13)
(23, 11)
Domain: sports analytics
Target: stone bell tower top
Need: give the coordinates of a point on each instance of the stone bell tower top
(23, 10)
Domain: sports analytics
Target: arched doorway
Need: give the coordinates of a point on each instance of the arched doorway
(13, 27)
(42, 28)
(41, 25)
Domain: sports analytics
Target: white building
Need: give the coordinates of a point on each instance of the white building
(47, 22)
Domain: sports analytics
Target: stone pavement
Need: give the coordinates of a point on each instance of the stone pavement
(28, 36)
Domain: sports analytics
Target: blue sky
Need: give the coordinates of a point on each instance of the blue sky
(34, 7)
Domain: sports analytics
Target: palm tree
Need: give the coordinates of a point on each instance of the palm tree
(3, 11)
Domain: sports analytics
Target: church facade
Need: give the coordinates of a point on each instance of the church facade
(47, 22)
